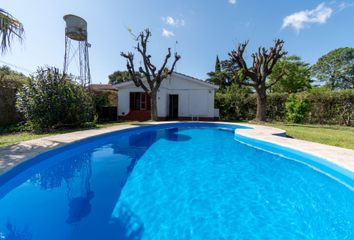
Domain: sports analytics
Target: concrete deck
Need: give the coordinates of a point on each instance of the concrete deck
(17, 153)
(340, 156)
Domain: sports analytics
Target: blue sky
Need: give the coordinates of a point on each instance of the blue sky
(203, 29)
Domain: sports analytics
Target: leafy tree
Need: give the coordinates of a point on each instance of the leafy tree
(222, 76)
(336, 69)
(256, 76)
(10, 27)
(9, 75)
(214, 76)
(149, 78)
(296, 75)
(217, 64)
(50, 99)
(119, 77)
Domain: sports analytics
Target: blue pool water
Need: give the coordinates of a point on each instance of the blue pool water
(178, 183)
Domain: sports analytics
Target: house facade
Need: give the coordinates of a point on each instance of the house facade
(180, 97)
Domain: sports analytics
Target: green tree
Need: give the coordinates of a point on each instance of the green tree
(221, 76)
(295, 75)
(336, 69)
(119, 77)
(7, 73)
(10, 27)
(217, 64)
(50, 99)
(214, 77)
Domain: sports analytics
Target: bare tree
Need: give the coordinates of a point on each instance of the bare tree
(149, 72)
(256, 76)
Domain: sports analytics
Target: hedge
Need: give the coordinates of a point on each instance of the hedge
(325, 107)
(8, 112)
(332, 107)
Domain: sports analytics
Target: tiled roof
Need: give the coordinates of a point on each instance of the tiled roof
(101, 87)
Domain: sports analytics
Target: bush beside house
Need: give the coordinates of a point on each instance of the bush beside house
(52, 100)
(105, 100)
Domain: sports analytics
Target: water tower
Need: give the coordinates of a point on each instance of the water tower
(76, 58)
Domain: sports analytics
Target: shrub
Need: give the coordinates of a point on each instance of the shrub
(10, 82)
(51, 100)
(275, 108)
(297, 108)
(235, 103)
(103, 99)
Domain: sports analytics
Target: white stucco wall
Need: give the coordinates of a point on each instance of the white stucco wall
(123, 101)
(195, 99)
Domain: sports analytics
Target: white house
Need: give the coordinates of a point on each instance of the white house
(179, 97)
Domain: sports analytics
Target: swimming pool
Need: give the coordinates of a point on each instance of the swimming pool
(176, 181)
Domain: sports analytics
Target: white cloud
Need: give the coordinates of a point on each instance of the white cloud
(233, 2)
(344, 5)
(301, 19)
(175, 22)
(167, 33)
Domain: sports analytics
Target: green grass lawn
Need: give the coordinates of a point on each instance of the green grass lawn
(8, 138)
(340, 136)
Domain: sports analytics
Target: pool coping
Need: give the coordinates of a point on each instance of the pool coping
(12, 155)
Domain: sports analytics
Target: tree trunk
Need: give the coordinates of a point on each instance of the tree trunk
(153, 106)
(261, 104)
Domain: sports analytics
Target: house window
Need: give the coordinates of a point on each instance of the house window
(139, 101)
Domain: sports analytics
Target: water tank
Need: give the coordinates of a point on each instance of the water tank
(76, 27)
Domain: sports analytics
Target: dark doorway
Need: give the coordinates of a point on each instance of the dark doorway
(173, 106)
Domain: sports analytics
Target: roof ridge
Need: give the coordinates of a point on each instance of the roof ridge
(195, 78)
(177, 73)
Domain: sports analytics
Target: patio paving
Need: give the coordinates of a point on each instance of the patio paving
(16, 153)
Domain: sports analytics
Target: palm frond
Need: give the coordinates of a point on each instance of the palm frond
(10, 27)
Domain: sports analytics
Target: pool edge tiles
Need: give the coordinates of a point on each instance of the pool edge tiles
(325, 166)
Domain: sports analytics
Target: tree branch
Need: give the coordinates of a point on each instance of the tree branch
(168, 55)
(148, 70)
(134, 75)
(237, 57)
(177, 57)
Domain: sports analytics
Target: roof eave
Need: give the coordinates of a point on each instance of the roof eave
(196, 80)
